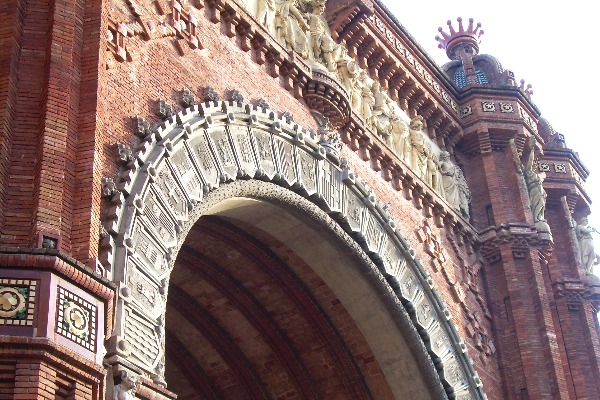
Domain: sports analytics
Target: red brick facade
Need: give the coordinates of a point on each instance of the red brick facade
(248, 315)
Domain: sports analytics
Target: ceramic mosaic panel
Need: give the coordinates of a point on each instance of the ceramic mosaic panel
(76, 319)
(17, 301)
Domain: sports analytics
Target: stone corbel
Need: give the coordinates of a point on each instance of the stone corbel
(165, 110)
(407, 185)
(364, 144)
(366, 49)
(109, 187)
(187, 98)
(351, 134)
(230, 20)
(274, 62)
(417, 196)
(374, 155)
(142, 128)
(375, 61)
(395, 83)
(215, 7)
(243, 30)
(428, 205)
(386, 71)
(387, 168)
(124, 153)
(343, 14)
(258, 45)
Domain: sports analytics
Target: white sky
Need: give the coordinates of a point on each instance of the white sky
(549, 44)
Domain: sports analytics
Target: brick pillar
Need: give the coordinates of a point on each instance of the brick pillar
(573, 307)
(518, 285)
(34, 380)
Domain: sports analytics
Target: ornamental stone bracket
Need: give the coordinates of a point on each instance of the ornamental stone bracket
(578, 291)
(518, 236)
(216, 149)
(327, 96)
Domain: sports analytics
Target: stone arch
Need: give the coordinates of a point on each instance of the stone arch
(192, 162)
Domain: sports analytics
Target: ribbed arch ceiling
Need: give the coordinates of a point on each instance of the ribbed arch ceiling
(257, 324)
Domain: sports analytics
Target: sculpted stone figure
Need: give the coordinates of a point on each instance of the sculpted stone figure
(589, 258)
(380, 117)
(464, 194)
(367, 99)
(266, 14)
(418, 158)
(454, 185)
(357, 91)
(533, 181)
(127, 388)
(399, 136)
(290, 27)
(348, 72)
(432, 175)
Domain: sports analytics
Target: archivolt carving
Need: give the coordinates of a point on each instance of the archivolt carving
(209, 145)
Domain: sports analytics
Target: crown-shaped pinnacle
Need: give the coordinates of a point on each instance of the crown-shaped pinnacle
(466, 39)
(528, 90)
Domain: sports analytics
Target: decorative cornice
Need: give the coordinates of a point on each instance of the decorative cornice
(516, 235)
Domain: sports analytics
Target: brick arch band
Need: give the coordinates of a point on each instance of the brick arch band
(212, 152)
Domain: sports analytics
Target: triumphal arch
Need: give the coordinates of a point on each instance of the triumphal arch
(282, 199)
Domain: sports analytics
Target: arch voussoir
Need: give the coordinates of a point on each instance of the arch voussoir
(191, 162)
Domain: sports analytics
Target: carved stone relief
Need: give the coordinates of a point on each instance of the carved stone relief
(127, 388)
(588, 256)
(301, 27)
(455, 188)
(533, 182)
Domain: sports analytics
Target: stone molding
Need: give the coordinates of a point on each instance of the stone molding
(204, 149)
(54, 353)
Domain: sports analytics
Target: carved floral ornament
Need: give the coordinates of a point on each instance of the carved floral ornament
(210, 146)
(76, 319)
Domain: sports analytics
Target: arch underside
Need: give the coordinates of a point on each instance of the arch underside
(260, 323)
(194, 165)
